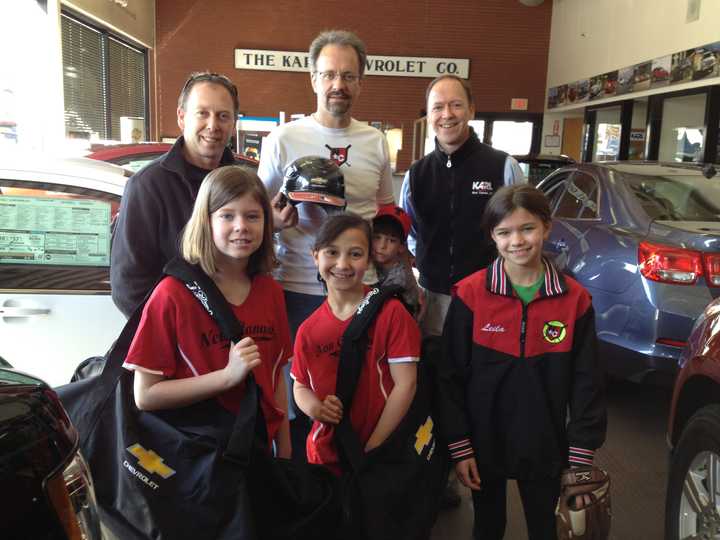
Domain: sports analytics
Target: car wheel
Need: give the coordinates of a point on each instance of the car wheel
(692, 508)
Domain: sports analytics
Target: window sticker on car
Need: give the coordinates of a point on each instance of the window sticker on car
(35, 230)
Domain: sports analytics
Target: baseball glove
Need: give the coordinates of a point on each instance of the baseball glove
(593, 521)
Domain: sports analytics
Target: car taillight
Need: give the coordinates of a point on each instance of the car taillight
(73, 497)
(712, 268)
(671, 342)
(669, 264)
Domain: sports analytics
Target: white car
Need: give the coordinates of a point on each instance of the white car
(56, 216)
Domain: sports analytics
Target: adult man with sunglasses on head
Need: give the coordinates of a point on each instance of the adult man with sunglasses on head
(337, 65)
(158, 199)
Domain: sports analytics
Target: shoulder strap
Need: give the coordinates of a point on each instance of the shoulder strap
(368, 309)
(209, 296)
(352, 358)
(206, 292)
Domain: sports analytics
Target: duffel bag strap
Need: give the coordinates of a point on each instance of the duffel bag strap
(352, 358)
(89, 405)
(209, 296)
(206, 292)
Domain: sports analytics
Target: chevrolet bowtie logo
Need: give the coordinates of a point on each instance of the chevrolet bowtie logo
(424, 435)
(150, 461)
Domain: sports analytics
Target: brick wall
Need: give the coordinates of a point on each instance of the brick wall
(506, 42)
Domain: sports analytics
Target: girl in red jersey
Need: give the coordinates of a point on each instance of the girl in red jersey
(386, 386)
(178, 354)
(522, 384)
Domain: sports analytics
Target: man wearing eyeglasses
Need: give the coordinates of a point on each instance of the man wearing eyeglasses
(158, 199)
(337, 64)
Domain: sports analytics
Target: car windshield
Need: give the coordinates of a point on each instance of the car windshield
(690, 197)
(536, 170)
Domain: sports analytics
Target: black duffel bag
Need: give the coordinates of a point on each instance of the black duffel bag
(392, 492)
(197, 471)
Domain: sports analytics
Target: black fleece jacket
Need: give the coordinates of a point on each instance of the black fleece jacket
(156, 205)
(449, 194)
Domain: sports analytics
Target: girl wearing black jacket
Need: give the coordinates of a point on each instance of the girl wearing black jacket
(522, 387)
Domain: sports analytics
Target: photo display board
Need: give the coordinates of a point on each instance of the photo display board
(683, 66)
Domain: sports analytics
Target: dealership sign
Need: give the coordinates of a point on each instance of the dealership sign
(396, 66)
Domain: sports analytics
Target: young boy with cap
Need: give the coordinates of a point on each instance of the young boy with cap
(391, 226)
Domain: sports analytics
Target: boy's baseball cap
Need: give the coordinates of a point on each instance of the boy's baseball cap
(398, 214)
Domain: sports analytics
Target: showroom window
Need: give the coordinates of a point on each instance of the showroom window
(681, 126)
(607, 135)
(682, 135)
(638, 130)
(517, 133)
(104, 82)
(512, 137)
(479, 127)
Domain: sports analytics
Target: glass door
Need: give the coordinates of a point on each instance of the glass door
(515, 138)
(517, 133)
(638, 130)
(606, 146)
(682, 135)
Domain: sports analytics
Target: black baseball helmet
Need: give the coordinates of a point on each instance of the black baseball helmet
(315, 179)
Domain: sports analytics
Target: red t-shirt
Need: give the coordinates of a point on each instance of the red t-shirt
(393, 337)
(177, 338)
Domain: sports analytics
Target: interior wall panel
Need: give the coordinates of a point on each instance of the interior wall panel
(506, 42)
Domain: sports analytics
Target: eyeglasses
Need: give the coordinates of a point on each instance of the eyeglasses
(329, 76)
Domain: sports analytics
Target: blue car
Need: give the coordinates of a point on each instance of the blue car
(644, 239)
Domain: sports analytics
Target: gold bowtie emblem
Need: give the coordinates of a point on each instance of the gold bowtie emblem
(424, 435)
(150, 461)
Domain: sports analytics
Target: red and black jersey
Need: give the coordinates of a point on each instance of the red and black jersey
(178, 339)
(522, 386)
(394, 337)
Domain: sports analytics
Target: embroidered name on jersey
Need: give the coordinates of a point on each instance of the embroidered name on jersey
(489, 327)
(258, 332)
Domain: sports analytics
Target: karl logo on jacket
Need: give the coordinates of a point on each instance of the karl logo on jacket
(481, 187)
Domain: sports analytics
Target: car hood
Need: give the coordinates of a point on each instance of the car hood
(700, 235)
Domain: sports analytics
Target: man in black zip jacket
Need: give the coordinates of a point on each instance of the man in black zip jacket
(445, 194)
(158, 199)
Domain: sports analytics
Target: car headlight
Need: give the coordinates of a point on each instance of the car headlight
(72, 494)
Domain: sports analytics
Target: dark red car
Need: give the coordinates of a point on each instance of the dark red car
(692, 508)
(136, 156)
